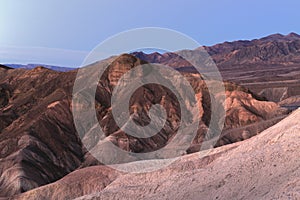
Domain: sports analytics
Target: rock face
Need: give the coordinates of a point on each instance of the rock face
(38, 140)
(263, 167)
(268, 66)
(39, 143)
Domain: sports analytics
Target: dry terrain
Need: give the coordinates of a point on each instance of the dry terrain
(255, 157)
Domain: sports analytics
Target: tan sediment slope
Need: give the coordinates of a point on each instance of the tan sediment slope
(266, 166)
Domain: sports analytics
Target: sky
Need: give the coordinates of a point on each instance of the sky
(63, 32)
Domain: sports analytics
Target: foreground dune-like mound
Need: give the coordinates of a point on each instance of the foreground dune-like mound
(266, 166)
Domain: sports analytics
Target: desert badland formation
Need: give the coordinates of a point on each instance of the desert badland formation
(255, 157)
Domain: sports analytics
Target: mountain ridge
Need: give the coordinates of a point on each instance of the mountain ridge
(32, 66)
(269, 66)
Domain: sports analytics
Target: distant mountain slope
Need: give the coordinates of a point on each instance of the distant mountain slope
(273, 49)
(32, 66)
(269, 66)
(4, 67)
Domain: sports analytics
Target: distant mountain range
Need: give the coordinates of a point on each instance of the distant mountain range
(273, 49)
(269, 66)
(5, 67)
(32, 66)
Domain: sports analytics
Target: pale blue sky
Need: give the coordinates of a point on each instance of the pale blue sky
(77, 26)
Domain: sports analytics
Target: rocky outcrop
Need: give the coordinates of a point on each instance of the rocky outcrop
(38, 140)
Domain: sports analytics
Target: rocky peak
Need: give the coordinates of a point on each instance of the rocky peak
(120, 66)
(293, 35)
